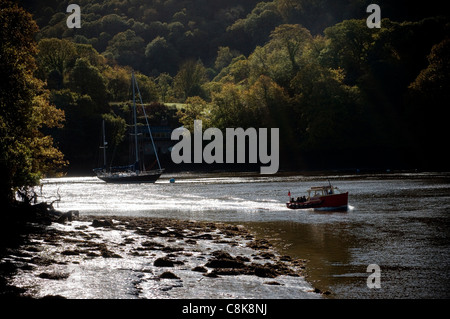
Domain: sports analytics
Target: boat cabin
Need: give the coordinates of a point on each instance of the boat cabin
(319, 191)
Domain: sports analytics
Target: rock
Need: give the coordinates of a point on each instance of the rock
(168, 275)
(224, 263)
(53, 276)
(106, 253)
(173, 233)
(228, 271)
(42, 261)
(151, 245)
(163, 262)
(200, 269)
(70, 252)
(33, 249)
(62, 219)
(265, 272)
(204, 236)
(211, 275)
(220, 254)
(267, 255)
(259, 244)
(101, 223)
(272, 283)
(92, 254)
(67, 216)
(169, 249)
(74, 213)
(110, 254)
(242, 258)
(222, 259)
(286, 258)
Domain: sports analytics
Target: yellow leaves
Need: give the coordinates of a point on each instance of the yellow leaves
(46, 159)
(45, 114)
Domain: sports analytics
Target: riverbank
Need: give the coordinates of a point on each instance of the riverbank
(138, 257)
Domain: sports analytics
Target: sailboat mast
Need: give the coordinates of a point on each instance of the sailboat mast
(148, 126)
(135, 122)
(104, 145)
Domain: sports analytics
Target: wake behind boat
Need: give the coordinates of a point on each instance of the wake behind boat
(320, 198)
(134, 173)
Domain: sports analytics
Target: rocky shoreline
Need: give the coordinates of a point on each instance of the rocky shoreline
(73, 256)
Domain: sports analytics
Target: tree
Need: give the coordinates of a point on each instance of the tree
(55, 54)
(428, 98)
(160, 55)
(118, 83)
(25, 152)
(87, 79)
(159, 114)
(350, 43)
(116, 128)
(293, 39)
(147, 87)
(228, 107)
(127, 48)
(327, 113)
(164, 82)
(189, 79)
(224, 57)
(79, 139)
(113, 24)
(196, 109)
(255, 28)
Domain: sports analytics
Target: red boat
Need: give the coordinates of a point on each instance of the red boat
(321, 198)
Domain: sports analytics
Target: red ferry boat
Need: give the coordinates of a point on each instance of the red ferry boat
(321, 198)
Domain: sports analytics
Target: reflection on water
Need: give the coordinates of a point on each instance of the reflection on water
(327, 247)
(398, 221)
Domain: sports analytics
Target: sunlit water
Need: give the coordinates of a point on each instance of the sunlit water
(397, 221)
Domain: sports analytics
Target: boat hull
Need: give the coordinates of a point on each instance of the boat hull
(146, 177)
(328, 202)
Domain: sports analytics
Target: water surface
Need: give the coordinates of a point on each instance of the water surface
(399, 221)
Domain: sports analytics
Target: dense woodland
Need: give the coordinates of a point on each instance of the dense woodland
(342, 94)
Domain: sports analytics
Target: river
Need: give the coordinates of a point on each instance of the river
(398, 221)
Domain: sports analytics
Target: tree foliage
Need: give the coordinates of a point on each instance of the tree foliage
(189, 79)
(310, 67)
(25, 152)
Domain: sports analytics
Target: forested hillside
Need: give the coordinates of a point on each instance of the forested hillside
(342, 94)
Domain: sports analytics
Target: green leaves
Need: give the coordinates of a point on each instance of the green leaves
(87, 79)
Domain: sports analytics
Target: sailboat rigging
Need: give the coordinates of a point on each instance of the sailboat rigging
(130, 173)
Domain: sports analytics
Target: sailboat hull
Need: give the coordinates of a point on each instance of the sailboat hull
(127, 178)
